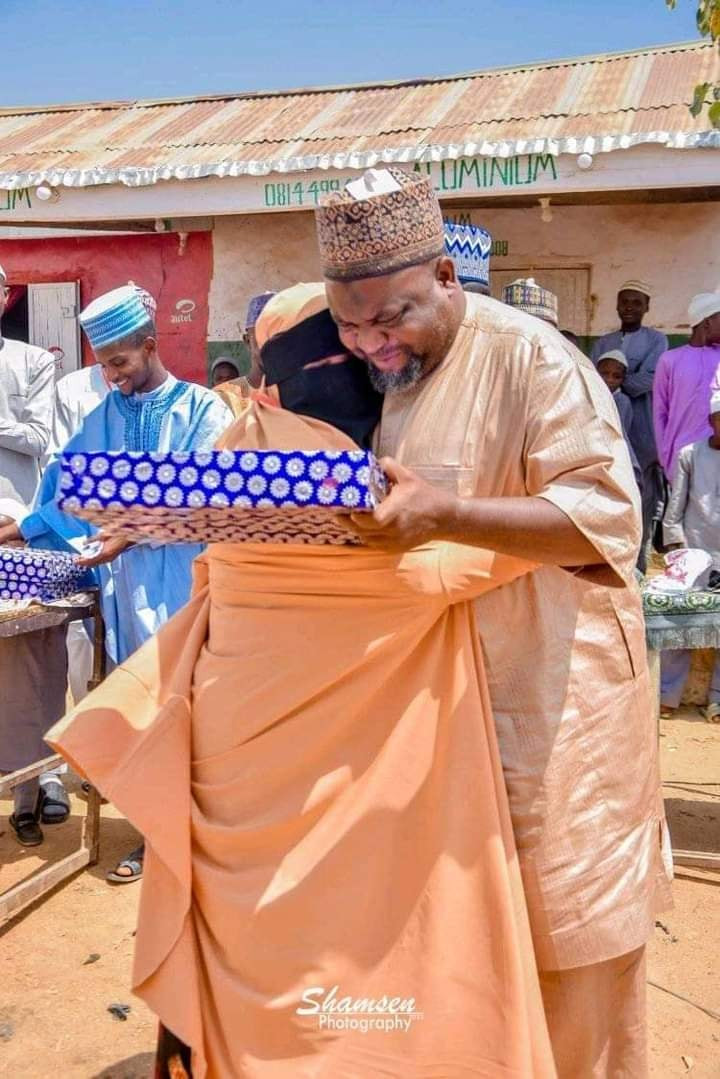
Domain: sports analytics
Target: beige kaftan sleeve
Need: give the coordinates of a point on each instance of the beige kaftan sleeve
(576, 456)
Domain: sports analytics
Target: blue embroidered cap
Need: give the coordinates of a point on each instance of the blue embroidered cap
(255, 308)
(469, 247)
(114, 316)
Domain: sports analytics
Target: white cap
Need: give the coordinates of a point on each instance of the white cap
(3, 275)
(635, 285)
(702, 306)
(614, 354)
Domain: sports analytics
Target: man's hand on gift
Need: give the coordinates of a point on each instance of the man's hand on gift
(103, 549)
(413, 513)
(531, 528)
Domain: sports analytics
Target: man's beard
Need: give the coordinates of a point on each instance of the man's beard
(393, 381)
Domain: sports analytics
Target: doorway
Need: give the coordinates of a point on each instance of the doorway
(15, 319)
(53, 323)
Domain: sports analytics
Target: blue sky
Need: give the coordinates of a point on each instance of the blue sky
(57, 51)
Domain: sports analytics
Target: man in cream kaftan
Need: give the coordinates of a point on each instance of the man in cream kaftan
(504, 437)
(513, 411)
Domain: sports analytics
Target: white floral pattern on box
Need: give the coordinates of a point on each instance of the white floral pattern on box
(222, 495)
(41, 575)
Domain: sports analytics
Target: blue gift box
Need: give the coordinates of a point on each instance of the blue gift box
(222, 495)
(40, 575)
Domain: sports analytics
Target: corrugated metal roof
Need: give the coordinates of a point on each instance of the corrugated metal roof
(597, 103)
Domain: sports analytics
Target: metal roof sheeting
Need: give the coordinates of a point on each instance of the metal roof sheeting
(595, 104)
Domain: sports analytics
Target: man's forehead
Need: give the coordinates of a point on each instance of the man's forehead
(119, 350)
(631, 294)
(367, 298)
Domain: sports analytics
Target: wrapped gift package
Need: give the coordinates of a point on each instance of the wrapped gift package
(222, 495)
(39, 575)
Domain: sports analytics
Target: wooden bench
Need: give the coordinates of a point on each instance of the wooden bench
(19, 896)
(27, 891)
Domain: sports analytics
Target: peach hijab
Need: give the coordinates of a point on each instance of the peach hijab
(331, 885)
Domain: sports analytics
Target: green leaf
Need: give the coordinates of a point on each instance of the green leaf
(714, 114)
(699, 95)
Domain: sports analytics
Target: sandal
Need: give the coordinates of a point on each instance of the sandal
(27, 830)
(712, 712)
(133, 862)
(53, 803)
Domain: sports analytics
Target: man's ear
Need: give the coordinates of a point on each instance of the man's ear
(445, 271)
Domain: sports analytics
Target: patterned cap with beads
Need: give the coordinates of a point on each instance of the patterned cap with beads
(383, 222)
(526, 295)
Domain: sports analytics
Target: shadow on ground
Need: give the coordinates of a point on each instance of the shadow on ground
(141, 1066)
(694, 825)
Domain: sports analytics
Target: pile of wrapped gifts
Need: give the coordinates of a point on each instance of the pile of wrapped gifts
(222, 495)
(40, 576)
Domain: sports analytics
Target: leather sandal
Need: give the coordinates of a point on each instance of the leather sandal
(27, 830)
(53, 803)
(133, 862)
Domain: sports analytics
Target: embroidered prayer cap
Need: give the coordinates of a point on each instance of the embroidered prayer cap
(149, 302)
(114, 316)
(3, 276)
(383, 222)
(702, 306)
(614, 354)
(289, 307)
(469, 247)
(636, 286)
(526, 295)
(255, 308)
(715, 403)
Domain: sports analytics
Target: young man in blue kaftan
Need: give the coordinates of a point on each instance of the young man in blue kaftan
(145, 584)
(141, 585)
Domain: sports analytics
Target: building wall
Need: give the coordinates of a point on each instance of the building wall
(671, 247)
(253, 254)
(178, 277)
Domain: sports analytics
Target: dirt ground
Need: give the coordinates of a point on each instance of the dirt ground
(68, 958)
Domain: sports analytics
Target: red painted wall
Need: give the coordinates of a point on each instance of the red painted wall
(154, 261)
